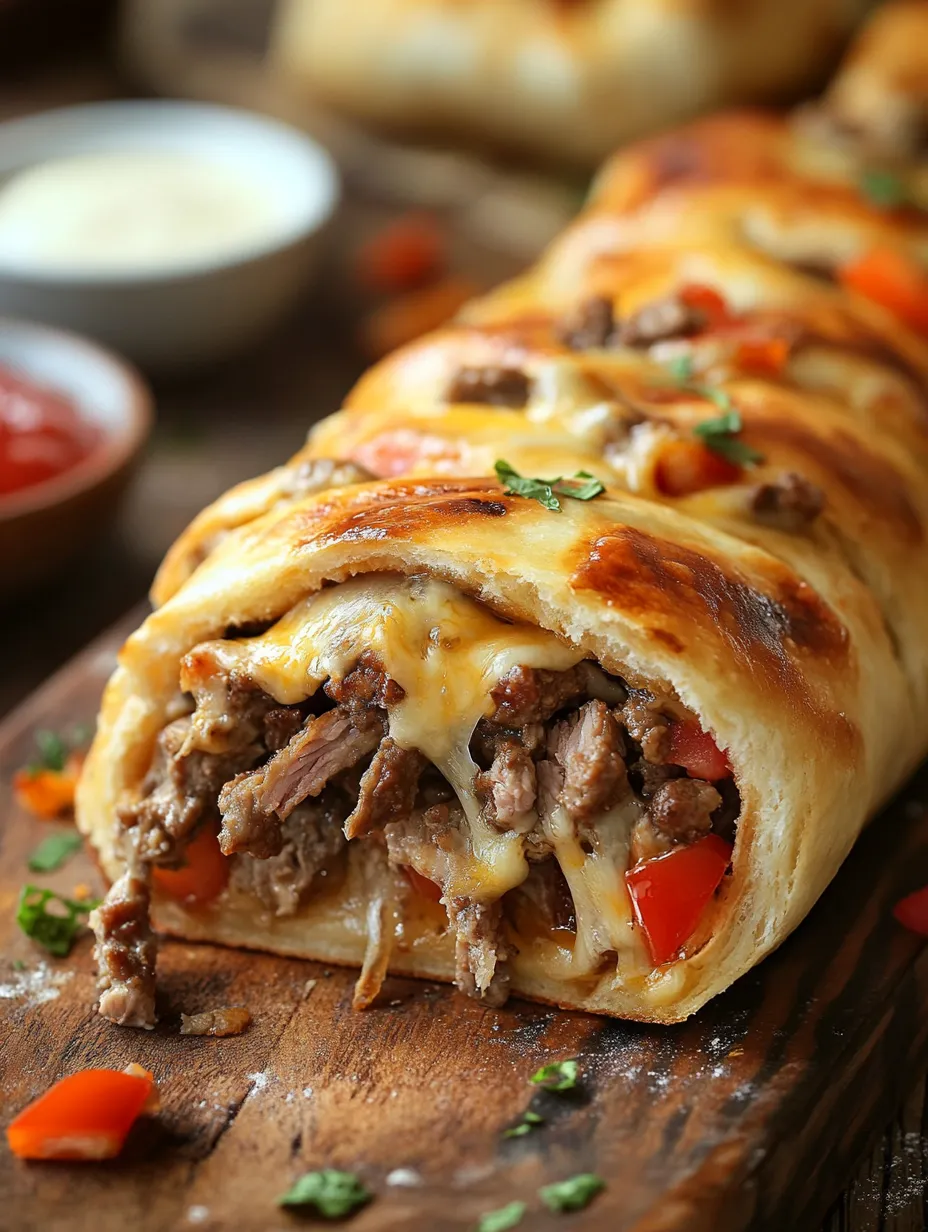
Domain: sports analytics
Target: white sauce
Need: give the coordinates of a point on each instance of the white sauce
(117, 211)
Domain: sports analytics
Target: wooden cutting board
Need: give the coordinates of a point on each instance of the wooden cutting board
(750, 1115)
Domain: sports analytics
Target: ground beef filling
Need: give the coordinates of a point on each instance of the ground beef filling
(287, 786)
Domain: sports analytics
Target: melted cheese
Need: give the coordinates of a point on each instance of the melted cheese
(448, 653)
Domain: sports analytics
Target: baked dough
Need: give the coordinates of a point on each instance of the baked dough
(792, 634)
(568, 80)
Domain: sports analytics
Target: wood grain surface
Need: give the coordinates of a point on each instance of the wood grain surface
(750, 1115)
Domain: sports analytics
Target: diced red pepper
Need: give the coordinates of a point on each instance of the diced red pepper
(685, 466)
(48, 793)
(707, 301)
(84, 1116)
(912, 912)
(766, 356)
(670, 893)
(698, 754)
(202, 877)
(398, 450)
(890, 279)
(404, 254)
(423, 886)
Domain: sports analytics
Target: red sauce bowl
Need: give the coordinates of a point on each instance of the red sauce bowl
(56, 512)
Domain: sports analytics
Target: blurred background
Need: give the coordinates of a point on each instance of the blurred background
(248, 272)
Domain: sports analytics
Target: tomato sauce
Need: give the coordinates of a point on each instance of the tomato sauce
(42, 433)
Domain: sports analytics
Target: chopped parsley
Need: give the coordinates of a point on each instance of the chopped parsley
(508, 1216)
(53, 752)
(333, 1194)
(582, 486)
(558, 1076)
(54, 851)
(573, 1194)
(530, 1120)
(883, 188)
(54, 930)
(721, 436)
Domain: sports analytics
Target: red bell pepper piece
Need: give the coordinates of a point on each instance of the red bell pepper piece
(698, 754)
(670, 892)
(766, 356)
(202, 878)
(707, 301)
(84, 1116)
(890, 279)
(405, 253)
(912, 912)
(684, 467)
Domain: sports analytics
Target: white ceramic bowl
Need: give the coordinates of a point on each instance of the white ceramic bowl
(45, 525)
(177, 314)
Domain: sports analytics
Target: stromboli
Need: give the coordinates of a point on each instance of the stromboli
(798, 648)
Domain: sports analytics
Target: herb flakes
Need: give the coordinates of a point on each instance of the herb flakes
(883, 188)
(721, 436)
(573, 1194)
(530, 1120)
(53, 930)
(558, 1076)
(54, 851)
(334, 1194)
(581, 486)
(500, 1220)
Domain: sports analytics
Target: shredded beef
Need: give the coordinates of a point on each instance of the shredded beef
(280, 726)
(589, 326)
(509, 786)
(179, 789)
(792, 503)
(365, 686)
(311, 839)
(388, 788)
(665, 318)
(532, 695)
(480, 950)
(647, 725)
(126, 952)
(493, 385)
(682, 809)
(595, 777)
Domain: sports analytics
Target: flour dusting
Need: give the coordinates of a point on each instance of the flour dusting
(35, 986)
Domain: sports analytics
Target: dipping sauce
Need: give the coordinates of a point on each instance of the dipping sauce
(42, 434)
(116, 211)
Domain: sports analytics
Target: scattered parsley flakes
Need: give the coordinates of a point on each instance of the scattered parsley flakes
(334, 1194)
(573, 1194)
(681, 369)
(19, 965)
(54, 851)
(530, 1120)
(582, 486)
(721, 436)
(54, 931)
(883, 188)
(558, 1076)
(500, 1220)
(53, 752)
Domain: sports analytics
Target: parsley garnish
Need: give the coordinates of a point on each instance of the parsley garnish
(721, 436)
(54, 851)
(530, 1120)
(499, 1221)
(546, 491)
(558, 1076)
(573, 1194)
(53, 930)
(53, 753)
(681, 369)
(882, 188)
(334, 1194)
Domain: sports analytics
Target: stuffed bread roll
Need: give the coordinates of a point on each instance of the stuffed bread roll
(625, 751)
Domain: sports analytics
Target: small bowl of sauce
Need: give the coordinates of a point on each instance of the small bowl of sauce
(73, 422)
(175, 232)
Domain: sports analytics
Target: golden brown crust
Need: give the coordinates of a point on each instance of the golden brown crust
(800, 647)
